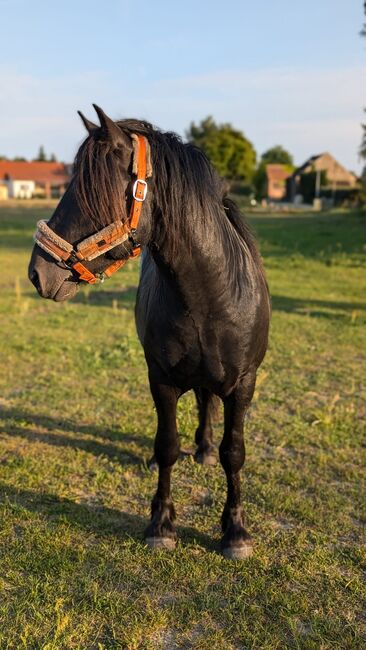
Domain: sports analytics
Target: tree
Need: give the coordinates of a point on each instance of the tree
(228, 149)
(41, 155)
(362, 149)
(277, 155)
(260, 181)
(362, 152)
(362, 195)
(363, 30)
(52, 158)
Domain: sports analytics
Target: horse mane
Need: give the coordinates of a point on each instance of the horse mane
(240, 225)
(188, 192)
(185, 186)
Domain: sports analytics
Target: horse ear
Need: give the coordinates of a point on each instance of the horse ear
(89, 125)
(111, 129)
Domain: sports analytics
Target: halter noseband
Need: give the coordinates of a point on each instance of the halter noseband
(107, 238)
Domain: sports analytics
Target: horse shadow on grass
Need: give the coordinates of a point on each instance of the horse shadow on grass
(56, 431)
(97, 518)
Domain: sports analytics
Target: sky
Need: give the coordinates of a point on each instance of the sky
(283, 72)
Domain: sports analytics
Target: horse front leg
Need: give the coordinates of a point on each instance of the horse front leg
(205, 453)
(236, 542)
(160, 533)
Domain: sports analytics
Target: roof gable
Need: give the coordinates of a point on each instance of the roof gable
(326, 162)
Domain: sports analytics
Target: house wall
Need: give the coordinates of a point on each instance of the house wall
(20, 189)
(276, 190)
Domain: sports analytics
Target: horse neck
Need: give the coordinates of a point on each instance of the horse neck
(205, 268)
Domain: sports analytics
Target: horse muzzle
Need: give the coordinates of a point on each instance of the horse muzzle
(50, 280)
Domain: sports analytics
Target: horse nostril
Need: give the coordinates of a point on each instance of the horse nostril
(34, 278)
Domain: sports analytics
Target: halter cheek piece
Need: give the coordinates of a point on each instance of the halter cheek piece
(110, 236)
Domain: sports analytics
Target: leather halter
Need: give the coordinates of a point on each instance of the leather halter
(105, 239)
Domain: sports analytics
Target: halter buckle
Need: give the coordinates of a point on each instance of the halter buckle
(136, 190)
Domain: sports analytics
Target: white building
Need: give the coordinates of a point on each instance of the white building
(20, 189)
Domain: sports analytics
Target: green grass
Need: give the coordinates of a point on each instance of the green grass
(76, 430)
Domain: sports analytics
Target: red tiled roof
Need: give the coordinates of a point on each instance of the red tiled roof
(277, 172)
(40, 172)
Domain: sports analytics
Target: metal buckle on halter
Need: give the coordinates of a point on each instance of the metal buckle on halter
(135, 188)
(133, 238)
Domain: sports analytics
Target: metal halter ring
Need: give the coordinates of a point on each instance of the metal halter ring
(135, 187)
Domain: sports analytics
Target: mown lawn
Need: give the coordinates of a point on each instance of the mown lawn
(76, 430)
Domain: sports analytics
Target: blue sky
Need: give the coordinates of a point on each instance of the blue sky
(282, 71)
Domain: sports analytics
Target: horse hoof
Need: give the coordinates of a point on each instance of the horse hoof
(241, 552)
(205, 457)
(156, 543)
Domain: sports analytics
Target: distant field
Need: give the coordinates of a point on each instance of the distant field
(76, 430)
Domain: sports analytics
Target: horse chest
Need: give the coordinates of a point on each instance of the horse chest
(192, 353)
(194, 338)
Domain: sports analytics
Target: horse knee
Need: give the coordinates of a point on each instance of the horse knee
(232, 453)
(166, 450)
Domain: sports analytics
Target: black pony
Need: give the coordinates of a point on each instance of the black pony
(202, 309)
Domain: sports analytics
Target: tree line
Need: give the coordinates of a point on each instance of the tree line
(41, 157)
(362, 150)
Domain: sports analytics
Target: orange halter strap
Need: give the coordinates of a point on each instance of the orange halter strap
(105, 239)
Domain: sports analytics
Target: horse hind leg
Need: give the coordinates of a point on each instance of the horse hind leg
(160, 533)
(236, 542)
(207, 406)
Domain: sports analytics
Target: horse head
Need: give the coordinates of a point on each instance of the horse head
(96, 226)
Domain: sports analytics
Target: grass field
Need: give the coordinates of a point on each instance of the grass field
(76, 430)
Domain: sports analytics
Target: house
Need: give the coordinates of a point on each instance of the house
(276, 177)
(29, 179)
(320, 175)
